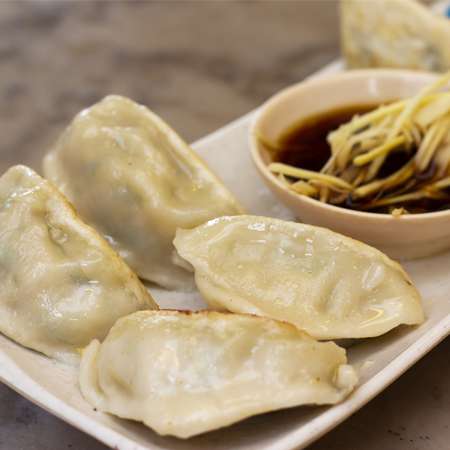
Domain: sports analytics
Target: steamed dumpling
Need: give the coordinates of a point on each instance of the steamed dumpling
(186, 373)
(133, 178)
(324, 283)
(61, 283)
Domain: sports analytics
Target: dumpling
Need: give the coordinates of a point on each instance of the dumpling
(409, 36)
(184, 373)
(324, 283)
(135, 180)
(61, 283)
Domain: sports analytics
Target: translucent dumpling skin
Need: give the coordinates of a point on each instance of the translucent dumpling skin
(184, 373)
(135, 180)
(61, 283)
(322, 282)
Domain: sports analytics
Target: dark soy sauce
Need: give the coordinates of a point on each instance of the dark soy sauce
(305, 145)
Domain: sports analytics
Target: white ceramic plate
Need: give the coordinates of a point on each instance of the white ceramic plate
(54, 387)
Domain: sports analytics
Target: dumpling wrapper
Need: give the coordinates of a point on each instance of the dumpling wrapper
(62, 285)
(184, 373)
(329, 285)
(136, 181)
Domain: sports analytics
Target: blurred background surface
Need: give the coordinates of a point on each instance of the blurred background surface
(199, 65)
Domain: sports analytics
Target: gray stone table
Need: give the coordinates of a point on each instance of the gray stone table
(199, 65)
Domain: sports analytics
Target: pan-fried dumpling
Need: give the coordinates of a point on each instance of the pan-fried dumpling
(135, 180)
(61, 283)
(186, 373)
(327, 284)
